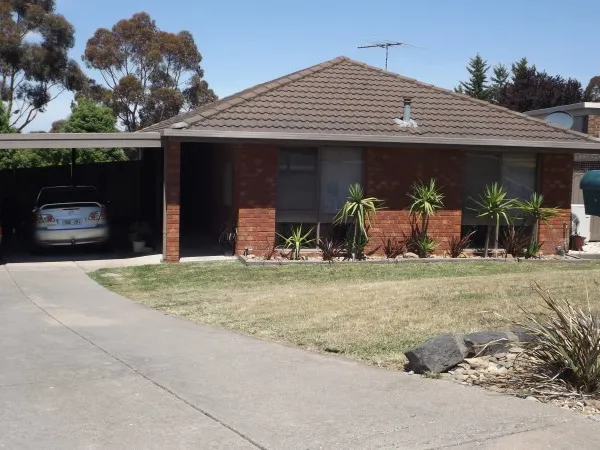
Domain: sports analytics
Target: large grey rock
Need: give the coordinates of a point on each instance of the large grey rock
(488, 342)
(438, 354)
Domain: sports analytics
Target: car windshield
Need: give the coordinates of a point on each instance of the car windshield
(68, 195)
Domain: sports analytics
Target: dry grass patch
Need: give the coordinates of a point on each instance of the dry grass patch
(369, 313)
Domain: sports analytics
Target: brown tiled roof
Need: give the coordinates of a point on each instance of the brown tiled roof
(343, 96)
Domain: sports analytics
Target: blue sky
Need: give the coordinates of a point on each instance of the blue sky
(247, 42)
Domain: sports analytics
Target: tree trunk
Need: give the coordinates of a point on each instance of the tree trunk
(487, 241)
(536, 231)
(497, 236)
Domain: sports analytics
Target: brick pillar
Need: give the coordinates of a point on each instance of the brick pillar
(555, 185)
(593, 126)
(390, 174)
(172, 181)
(255, 179)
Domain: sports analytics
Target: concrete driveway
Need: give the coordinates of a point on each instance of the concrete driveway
(81, 367)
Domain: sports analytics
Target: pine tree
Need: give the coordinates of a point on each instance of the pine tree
(499, 82)
(477, 86)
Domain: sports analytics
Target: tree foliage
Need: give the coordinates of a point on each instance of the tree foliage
(34, 64)
(499, 81)
(527, 89)
(477, 85)
(592, 91)
(86, 117)
(151, 75)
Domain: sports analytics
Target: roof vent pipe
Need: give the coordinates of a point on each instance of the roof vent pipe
(406, 116)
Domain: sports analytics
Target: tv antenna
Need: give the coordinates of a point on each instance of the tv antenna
(386, 45)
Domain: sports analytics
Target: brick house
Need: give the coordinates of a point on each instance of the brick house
(284, 152)
(586, 119)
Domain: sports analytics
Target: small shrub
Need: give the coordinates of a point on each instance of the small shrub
(458, 245)
(359, 211)
(425, 246)
(533, 249)
(515, 241)
(568, 342)
(392, 247)
(296, 241)
(331, 248)
(271, 250)
(418, 242)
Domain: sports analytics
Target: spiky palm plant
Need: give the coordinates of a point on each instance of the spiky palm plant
(427, 200)
(358, 211)
(493, 204)
(296, 240)
(534, 209)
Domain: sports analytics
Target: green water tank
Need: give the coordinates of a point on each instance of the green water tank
(590, 185)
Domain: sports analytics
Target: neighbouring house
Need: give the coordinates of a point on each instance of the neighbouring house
(586, 119)
(284, 152)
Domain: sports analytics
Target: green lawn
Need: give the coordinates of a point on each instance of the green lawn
(372, 313)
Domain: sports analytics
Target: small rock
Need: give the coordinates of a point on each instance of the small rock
(496, 388)
(500, 355)
(459, 371)
(502, 370)
(486, 342)
(532, 399)
(412, 372)
(478, 362)
(411, 255)
(593, 404)
(492, 369)
(438, 354)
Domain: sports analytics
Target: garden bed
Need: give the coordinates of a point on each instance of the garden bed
(252, 260)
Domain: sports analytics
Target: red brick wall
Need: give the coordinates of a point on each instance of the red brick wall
(389, 176)
(172, 202)
(593, 126)
(555, 185)
(254, 188)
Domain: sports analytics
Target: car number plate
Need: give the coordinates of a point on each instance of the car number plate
(72, 222)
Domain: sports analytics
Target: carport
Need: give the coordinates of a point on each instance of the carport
(158, 180)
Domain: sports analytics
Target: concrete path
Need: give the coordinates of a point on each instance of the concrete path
(81, 367)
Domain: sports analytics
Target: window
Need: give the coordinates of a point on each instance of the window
(313, 183)
(515, 172)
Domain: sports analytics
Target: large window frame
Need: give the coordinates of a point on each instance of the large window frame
(469, 216)
(317, 217)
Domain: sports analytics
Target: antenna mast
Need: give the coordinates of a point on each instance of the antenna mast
(386, 45)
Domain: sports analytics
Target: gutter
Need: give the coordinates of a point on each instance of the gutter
(401, 140)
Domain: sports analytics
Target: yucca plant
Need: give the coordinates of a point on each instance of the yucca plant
(426, 201)
(358, 211)
(457, 245)
(567, 341)
(535, 210)
(494, 205)
(533, 249)
(296, 240)
(425, 246)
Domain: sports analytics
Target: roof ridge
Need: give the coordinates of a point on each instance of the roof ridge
(258, 90)
(467, 98)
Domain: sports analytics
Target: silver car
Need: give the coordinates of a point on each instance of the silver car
(69, 215)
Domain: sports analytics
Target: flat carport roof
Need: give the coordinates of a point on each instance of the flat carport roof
(80, 140)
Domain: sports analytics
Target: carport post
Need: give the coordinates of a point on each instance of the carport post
(73, 159)
(171, 204)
